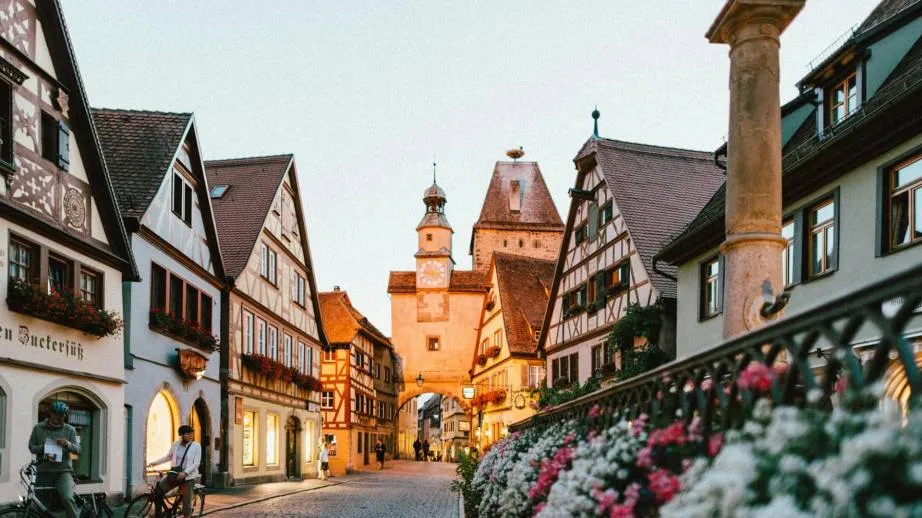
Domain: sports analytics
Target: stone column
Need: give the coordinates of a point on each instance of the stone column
(754, 246)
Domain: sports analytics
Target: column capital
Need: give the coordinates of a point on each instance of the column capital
(739, 13)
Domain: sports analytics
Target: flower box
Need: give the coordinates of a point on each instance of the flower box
(185, 330)
(65, 309)
(278, 371)
(573, 311)
(482, 359)
(494, 351)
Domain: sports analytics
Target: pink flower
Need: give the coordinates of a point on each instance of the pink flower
(621, 511)
(757, 377)
(715, 443)
(639, 424)
(664, 485)
(645, 458)
(841, 385)
(605, 499)
(550, 470)
(707, 385)
(595, 411)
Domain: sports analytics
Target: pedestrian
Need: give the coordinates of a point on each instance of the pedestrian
(417, 446)
(379, 454)
(53, 440)
(324, 461)
(426, 450)
(185, 456)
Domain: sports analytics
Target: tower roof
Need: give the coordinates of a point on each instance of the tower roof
(536, 210)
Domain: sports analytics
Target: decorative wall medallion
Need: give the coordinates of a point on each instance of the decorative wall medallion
(74, 208)
(191, 364)
(519, 401)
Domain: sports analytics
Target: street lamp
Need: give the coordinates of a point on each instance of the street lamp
(420, 380)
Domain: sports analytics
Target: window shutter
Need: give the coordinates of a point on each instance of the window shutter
(593, 219)
(187, 201)
(63, 146)
(574, 368)
(836, 227)
(600, 286)
(721, 274)
(799, 246)
(524, 379)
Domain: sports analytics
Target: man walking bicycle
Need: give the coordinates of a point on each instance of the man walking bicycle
(53, 440)
(185, 456)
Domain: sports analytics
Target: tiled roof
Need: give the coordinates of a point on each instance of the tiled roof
(658, 190)
(883, 12)
(537, 209)
(805, 142)
(342, 321)
(241, 212)
(461, 280)
(139, 147)
(523, 284)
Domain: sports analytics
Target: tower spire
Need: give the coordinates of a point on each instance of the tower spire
(595, 123)
(433, 172)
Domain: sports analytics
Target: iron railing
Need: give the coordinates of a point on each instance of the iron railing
(860, 336)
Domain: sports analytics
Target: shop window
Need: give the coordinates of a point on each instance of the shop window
(904, 203)
(272, 440)
(250, 430)
(86, 418)
(161, 428)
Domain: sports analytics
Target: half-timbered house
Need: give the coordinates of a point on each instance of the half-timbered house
(628, 199)
(173, 315)
(271, 331)
(386, 372)
(506, 368)
(64, 252)
(352, 408)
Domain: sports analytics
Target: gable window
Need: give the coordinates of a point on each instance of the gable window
(297, 290)
(267, 263)
(432, 343)
(605, 213)
(787, 259)
(6, 124)
(326, 399)
(582, 232)
(497, 339)
(619, 277)
(710, 288)
(904, 197)
(515, 196)
(55, 140)
(484, 345)
(247, 332)
(329, 354)
(821, 247)
(182, 198)
(842, 99)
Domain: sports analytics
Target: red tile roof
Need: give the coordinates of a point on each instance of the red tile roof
(241, 212)
(658, 191)
(342, 321)
(523, 285)
(537, 210)
(461, 280)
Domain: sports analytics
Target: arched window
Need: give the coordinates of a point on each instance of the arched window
(86, 417)
(161, 428)
(896, 386)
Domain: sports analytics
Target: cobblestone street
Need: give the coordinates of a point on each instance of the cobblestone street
(404, 489)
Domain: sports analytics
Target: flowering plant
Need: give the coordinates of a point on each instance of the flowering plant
(278, 371)
(192, 331)
(482, 359)
(62, 308)
(494, 351)
(495, 466)
(537, 470)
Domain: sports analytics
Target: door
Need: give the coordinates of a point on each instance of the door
(200, 422)
(292, 440)
(365, 450)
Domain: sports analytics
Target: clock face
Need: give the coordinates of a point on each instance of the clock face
(432, 273)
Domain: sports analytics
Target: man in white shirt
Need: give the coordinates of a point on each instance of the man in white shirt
(185, 456)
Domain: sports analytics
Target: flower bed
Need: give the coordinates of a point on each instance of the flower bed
(278, 371)
(66, 309)
(188, 330)
(855, 460)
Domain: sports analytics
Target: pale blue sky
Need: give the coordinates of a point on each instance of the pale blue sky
(366, 93)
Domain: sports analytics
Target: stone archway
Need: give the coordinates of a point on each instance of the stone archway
(200, 421)
(452, 434)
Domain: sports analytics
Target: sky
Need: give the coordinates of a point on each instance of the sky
(367, 94)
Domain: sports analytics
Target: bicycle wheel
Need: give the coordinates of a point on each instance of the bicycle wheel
(141, 507)
(13, 512)
(198, 503)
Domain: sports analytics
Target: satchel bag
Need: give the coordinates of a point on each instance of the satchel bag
(179, 469)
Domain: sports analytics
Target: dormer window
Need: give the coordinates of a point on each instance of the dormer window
(515, 196)
(218, 191)
(842, 99)
(182, 198)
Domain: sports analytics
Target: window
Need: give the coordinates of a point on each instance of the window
(6, 123)
(432, 343)
(359, 359)
(821, 243)
(904, 197)
(381, 413)
(428, 237)
(161, 428)
(359, 403)
(272, 440)
(261, 336)
(22, 256)
(582, 232)
(596, 358)
(205, 320)
(329, 354)
(297, 289)
(90, 286)
(497, 339)
(55, 136)
(377, 370)
(182, 198)
(842, 99)
(273, 342)
(250, 429)
(619, 277)
(387, 374)
(710, 288)
(157, 287)
(535, 376)
(267, 263)
(565, 369)
(605, 213)
(303, 364)
(787, 258)
(286, 352)
(192, 296)
(326, 399)
(247, 332)
(59, 274)
(218, 191)
(176, 290)
(515, 196)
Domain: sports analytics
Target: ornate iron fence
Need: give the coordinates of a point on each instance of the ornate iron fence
(810, 351)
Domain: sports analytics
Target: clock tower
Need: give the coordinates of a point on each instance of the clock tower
(433, 258)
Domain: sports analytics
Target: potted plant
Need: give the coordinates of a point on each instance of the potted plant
(62, 308)
(494, 351)
(482, 359)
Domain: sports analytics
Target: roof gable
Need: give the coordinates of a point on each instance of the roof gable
(537, 209)
(342, 322)
(523, 286)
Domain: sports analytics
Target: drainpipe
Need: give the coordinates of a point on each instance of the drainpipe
(664, 274)
(128, 450)
(753, 245)
(222, 479)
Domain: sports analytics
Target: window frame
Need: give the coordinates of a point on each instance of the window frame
(830, 104)
(832, 263)
(437, 340)
(186, 196)
(329, 355)
(7, 128)
(325, 402)
(704, 280)
(38, 276)
(886, 174)
(254, 439)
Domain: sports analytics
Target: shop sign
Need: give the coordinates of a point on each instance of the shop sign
(467, 392)
(191, 364)
(238, 410)
(51, 345)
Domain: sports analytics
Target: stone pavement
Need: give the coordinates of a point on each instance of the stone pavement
(404, 489)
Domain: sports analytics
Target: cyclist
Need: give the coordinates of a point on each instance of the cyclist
(53, 440)
(184, 456)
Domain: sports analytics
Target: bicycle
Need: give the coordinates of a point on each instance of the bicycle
(30, 506)
(143, 506)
